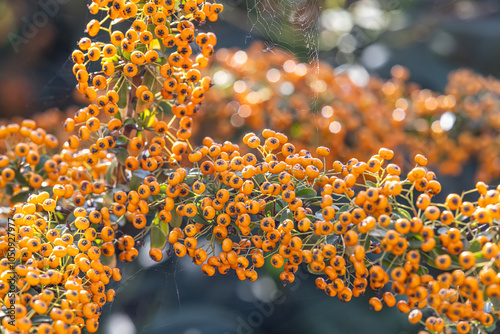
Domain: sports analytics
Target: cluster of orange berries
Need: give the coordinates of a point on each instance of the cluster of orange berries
(148, 71)
(62, 221)
(356, 225)
(362, 223)
(257, 89)
(52, 274)
(60, 282)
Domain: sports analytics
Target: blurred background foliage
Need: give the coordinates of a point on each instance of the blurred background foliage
(429, 37)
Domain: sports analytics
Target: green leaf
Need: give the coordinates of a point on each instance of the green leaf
(200, 220)
(126, 55)
(38, 319)
(48, 189)
(371, 184)
(123, 94)
(491, 329)
(20, 197)
(141, 47)
(135, 181)
(151, 28)
(474, 246)
(107, 199)
(404, 213)
(287, 214)
(130, 121)
(9, 190)
(343, 208)
(306, 193)
(121, 140)
(414, 244)
(145, 118)
(386, 263)
(176, 220)
(21, 179)
(269, 210)
(311, 217)
(149, 80)
(62, 228)
(194, 172)
(165, 108)
(157, 237)
(495, 302)
(70, 218)
(422, 270)
(165, 227)
(259, 178)
(110, 172)
(121, 155)
(377, 232)
(118, 115)
(40, 166)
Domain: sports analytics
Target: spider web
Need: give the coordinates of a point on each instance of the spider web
(292, 25)
(284, 26)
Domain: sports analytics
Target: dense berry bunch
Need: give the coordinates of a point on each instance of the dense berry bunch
(60, 280)
(355, 113)
(52, 277)
(355, 225)
(140, 74)
(144, 64)
(358, 224)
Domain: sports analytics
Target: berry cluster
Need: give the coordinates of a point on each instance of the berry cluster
(358, 224)
(355, 225)
(58, 272)
(139, 71)
(147, 68)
